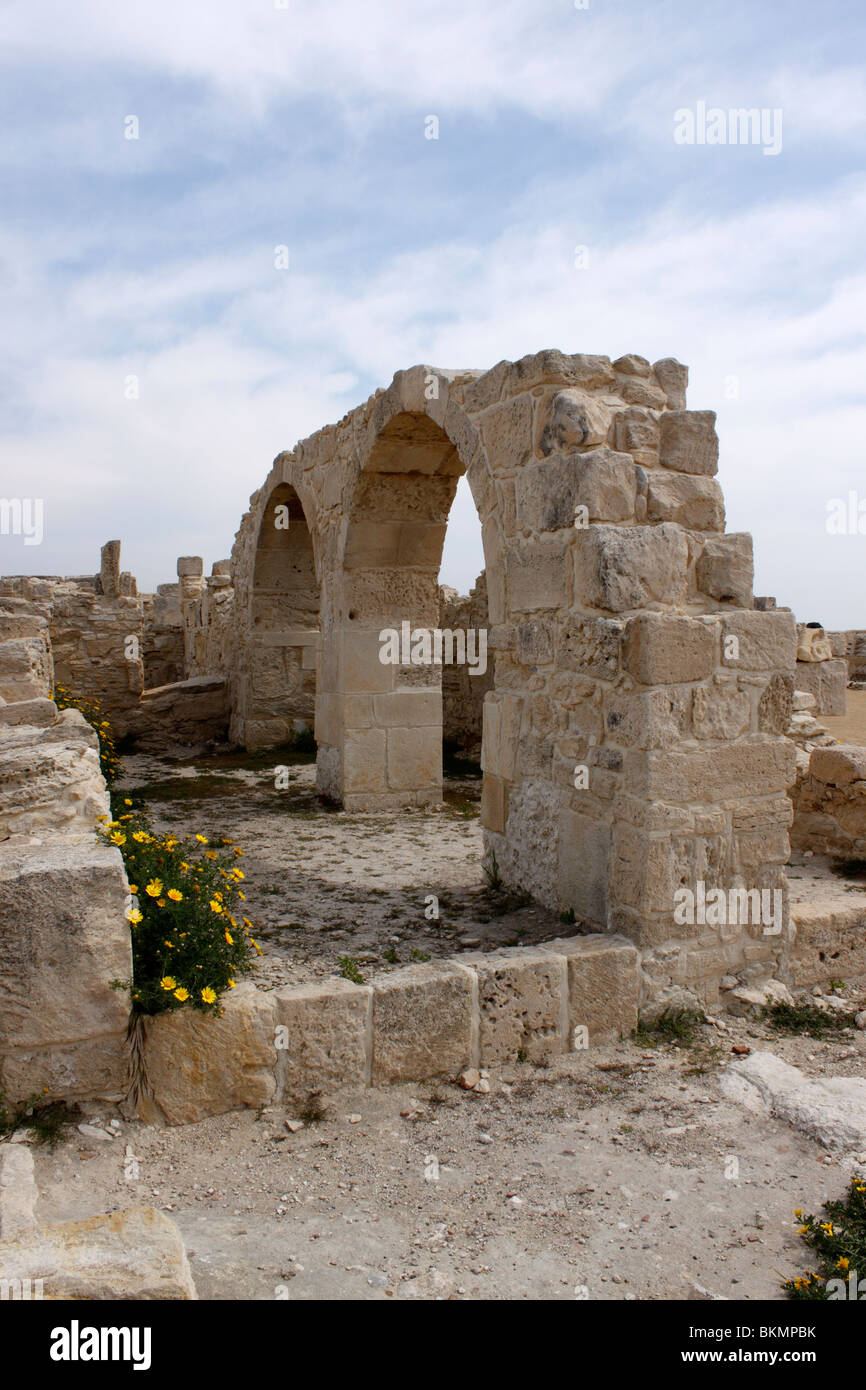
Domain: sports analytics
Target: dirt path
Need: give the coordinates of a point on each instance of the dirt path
(849, 727)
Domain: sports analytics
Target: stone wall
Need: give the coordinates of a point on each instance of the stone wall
(463, 693)
(830, 803)
(63, 897)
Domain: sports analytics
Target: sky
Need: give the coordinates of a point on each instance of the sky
(155, 359)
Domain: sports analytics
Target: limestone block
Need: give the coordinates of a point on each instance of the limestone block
(602, 481)
(603, 986)
(202, 1064)
(764, 641)
(50, 778)
(575, 421)
(830, 1110)
(583, 866)
(63, 938)
(827, 681)
(506, 429)
(839, 765)
(422, 1023)
(40, 712)
(494, 803)
(502, 714)
(109, 570)
(752, 767)
(414, 757)
(829, 942)
(688, 441)
(190, 567)
(363, 672)
(636, 431)
(641, 391)
(590, 646)
(656, 718)
(18, 1192)
(622, 567)
(535, 642)
(663, 649)
(536, 576)
(403, 709)
(776, 704)
(690, 500)
(643, 870)
(22, 624)
(326, 1042)
(725, 569)
(721, 712)
(26, 671)
(364, 753)
(521, 995)
(673, 378)
(632, 364)
(136, 1254)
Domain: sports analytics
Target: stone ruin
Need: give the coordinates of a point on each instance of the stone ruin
(637, 719)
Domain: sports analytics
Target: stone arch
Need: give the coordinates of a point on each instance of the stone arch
(278, 586)
(634, 740)
(379, 723)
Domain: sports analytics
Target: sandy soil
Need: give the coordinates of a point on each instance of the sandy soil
(849, 727)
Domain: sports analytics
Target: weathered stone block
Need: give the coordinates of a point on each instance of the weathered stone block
(827, 681)
(137, 1254)
(725, 569)
(415, 757)
(494, 803)
(663, 649)
(26, 671)
(201, 1064)
(688, 441)
(536, 576)
(603, 986)
(422, 1023)
(636, 432)
(839, 765)
(673, 378)
(622, 567)
(753, 767)
(327, 1038)
(582, 867)
(763, 641)
(692, 501)
(63, 938)
(576, 421)
(590, 646)
(521, 998)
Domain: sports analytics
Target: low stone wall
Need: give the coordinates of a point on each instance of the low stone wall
(826, 680)
(423, 1021)
(188, 713)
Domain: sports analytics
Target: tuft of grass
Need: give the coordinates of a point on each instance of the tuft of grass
(350, 970)
(673, 1026)
(839, 1243)
(807, 1018)
(567, 918)
(391, 955)
(492, 874)
(48, 1120)
(420, 955)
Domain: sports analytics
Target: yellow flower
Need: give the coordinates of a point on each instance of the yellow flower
(238, 873)
(202, 839)
(175, 895)
(827, 1226)
(140, 836)
(242, 896)
(168, 983)
(802, 1230)
(215, 906)
(231, 984)
(208, 995)
(126, 801)
(210, 854)
(133, 887)
(257, 946)
(117, 838)
(181, 994)
(184, 865)
(842, 1263)
(154, 888)
(799, 1213)
(170, 843)
(229, 938)
(160, 902)
(134, 916)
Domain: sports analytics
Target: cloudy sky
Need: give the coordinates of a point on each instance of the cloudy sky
(303, 124)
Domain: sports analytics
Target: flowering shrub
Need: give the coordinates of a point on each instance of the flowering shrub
(190, 937)
(108, 759)
(839, 1243)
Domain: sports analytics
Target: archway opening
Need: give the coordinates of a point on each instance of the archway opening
(284, 622)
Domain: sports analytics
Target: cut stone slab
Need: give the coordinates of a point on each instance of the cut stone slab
(749, 1001)
(521, 1005)
(135, 1254)
(63, 938)
(831, 1111)
(422, 1023)
(327, 1039)
(18, 1191)
(603, 987)
(199, 1064)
